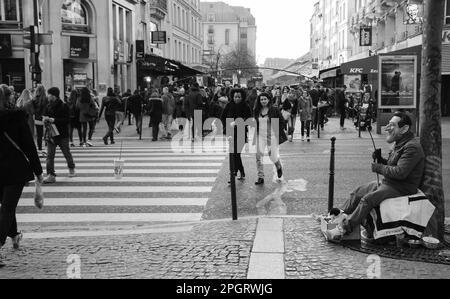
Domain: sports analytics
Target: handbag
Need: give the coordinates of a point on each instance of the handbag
(39, 194)
(93, 110)
(286, 114)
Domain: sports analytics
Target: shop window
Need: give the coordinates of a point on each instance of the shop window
(10, 13)
(74, 16)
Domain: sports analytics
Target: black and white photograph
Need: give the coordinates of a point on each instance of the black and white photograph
(224, 147)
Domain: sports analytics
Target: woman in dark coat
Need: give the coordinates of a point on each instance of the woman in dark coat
(74, 117)
(111, 104)
(15, 170)
(269, 133)
(156, 112)
(237, 109)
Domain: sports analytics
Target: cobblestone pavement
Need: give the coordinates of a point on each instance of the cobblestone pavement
(213, 250)
(309, 256)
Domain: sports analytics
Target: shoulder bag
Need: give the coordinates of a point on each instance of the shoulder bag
(38, 195)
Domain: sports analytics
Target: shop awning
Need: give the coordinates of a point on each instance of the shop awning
(364, 66)
(329, 73)
(161, 66)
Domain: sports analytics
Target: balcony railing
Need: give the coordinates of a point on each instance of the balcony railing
(158, 9)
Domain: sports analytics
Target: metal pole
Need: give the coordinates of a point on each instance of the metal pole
(332, 168)
(233, 150)
(318, 121)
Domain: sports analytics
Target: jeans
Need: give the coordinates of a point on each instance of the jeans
(167, 120)
(342, 121)
(364, 199)
(155, 129)
(291, 124)
(63, 144)
(71, 128)
(138, 118)
(120, 118)
(306, 125)
(274, 154)
(84, 131)
(111, 121)
(39, 136)
(9, 198)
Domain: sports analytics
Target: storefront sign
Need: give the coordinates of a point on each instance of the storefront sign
(79, 47)
(364, 66)
(80, 77)
(5, 45)
(398, 82)
(140, 49)
(365, 36)
(159, 37)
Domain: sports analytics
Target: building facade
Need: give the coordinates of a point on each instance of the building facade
(396, 28)
(98, 44)
(184, 31)
(225, 29)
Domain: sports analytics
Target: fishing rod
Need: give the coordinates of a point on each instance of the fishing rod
(375, 147)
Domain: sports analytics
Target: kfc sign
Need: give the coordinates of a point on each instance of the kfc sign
(356, 70)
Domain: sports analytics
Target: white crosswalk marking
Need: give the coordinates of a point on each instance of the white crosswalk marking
(159, 185)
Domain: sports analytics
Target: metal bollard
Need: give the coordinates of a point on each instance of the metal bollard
(233, 150)
(332, 168)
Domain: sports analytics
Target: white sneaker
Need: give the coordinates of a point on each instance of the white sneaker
(16, 241)
(89, 144)
(303, 138)
(50, 179)
(335, 234)
(72, 173)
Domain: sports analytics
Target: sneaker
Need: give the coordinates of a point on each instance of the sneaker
(335, 234)
(72, 144)
(280, 172)
(50, 179)
(309, 139)
(105, 141)
(72, 173)
(16, 241)
(303, 138)
(85, 145)
(89, 144)
(112, 142)
(259, 182)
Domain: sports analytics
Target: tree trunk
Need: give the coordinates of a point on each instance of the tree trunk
(430, 112)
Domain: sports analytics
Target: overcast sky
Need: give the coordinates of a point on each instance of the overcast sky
(283, 26)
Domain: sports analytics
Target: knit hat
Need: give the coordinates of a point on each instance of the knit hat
(54, 91)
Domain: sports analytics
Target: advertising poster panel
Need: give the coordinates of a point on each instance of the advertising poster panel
(398, 82)
(353, 83)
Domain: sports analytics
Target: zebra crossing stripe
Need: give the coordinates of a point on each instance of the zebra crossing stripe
(128, 171)
(109, 154)
(116, 202)
(120, 189)
(111, 179)
(107, 217)
(137, 159)
(166, 164)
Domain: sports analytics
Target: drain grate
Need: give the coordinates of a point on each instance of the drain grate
(440, 256)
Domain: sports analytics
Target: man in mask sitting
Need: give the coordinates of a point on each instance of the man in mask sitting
(402, 171)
